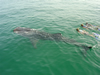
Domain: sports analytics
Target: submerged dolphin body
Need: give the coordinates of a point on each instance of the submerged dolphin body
(34, 35)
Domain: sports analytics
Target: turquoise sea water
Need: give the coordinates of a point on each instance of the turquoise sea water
(18, 56)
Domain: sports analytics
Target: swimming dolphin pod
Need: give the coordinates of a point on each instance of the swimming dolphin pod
(34, 35)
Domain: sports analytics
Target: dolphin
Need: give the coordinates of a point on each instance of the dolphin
(34, 35)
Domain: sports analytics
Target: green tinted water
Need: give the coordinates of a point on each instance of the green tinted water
(17, 55)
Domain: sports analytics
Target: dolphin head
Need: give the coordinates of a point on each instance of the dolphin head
(23, 31)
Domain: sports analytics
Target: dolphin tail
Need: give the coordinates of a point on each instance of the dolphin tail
(86, 47)
(71, 41)
(90, 47)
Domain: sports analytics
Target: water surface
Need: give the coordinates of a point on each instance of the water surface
(18, 56)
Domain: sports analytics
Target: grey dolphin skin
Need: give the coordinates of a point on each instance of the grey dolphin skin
(34, 35)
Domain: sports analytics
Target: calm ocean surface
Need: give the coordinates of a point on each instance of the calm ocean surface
(18, 56)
